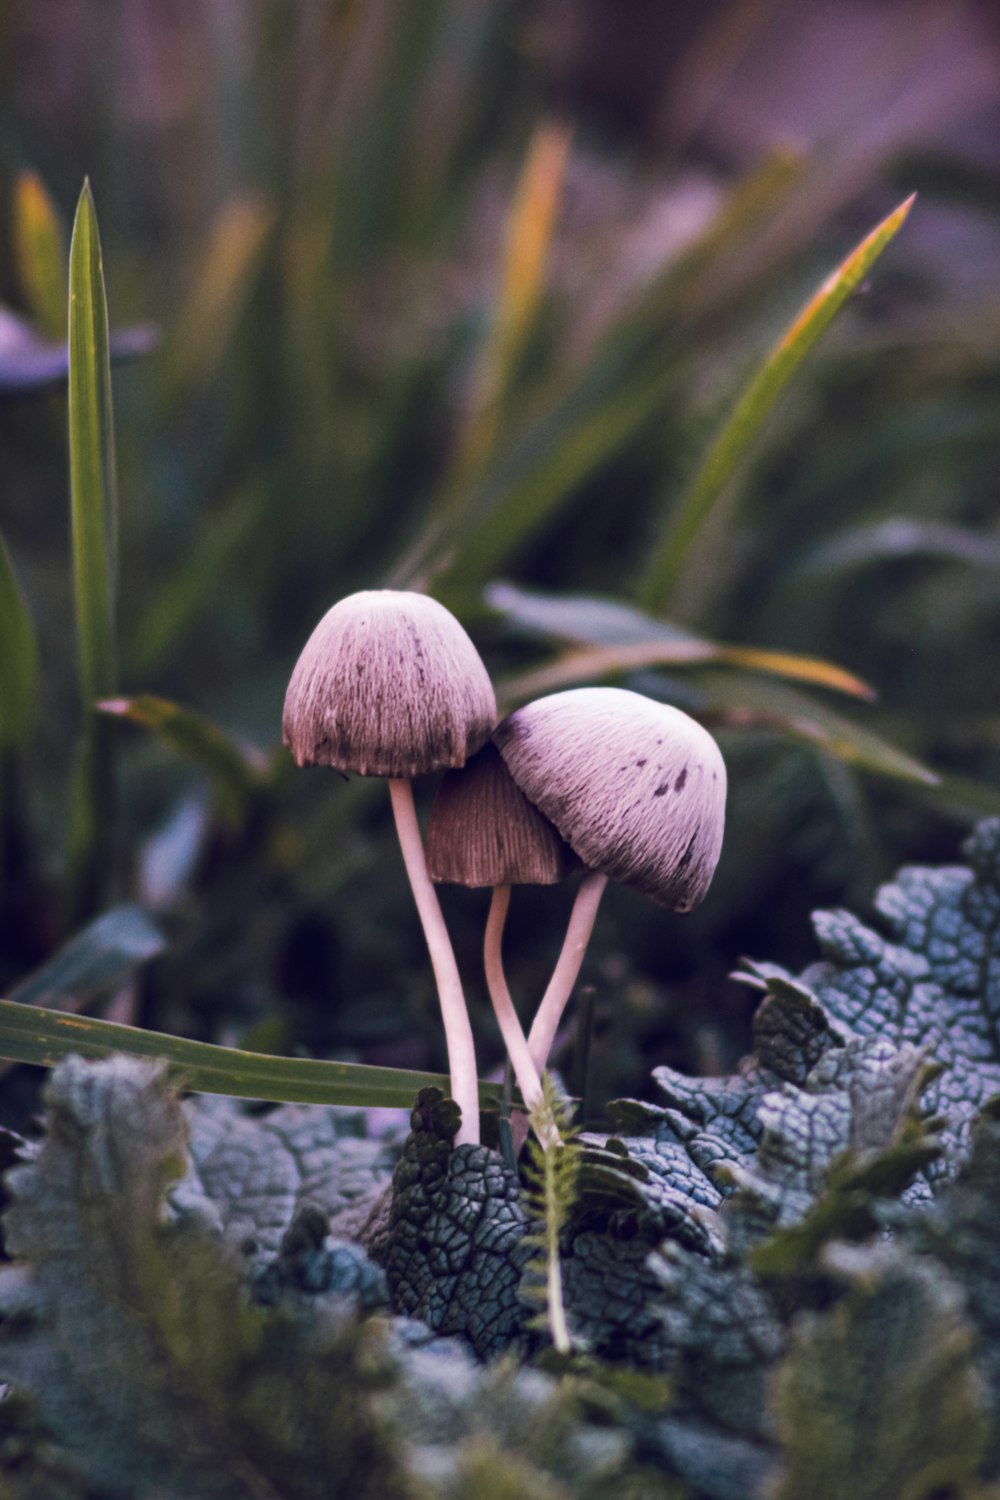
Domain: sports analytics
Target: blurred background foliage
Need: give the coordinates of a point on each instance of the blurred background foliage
(456, 294)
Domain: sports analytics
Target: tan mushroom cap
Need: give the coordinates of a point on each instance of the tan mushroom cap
(388, 684)
(636, 788)
(483, 831)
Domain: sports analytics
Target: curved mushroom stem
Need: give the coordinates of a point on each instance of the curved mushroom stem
(525, 1071)
(457, 1027)
(564, 975)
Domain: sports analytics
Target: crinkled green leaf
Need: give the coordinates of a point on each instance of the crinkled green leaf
(157, 1368)
(962, 1230)
(148, 1360)
(456, 1242)
(878, 1397)
(928, 974)
(253, 1173)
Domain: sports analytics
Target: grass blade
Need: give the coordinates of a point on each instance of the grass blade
(40, 253)
(45, 1037)
(94, 532)
(92, 465)
(738, 432)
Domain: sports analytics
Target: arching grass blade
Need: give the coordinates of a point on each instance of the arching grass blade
(738, 432)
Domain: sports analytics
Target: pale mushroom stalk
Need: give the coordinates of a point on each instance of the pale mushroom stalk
(564, 976)
(455, 1016)
(525, 1069)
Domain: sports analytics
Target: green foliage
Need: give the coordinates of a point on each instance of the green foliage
(879, 1395)
(551, 1179)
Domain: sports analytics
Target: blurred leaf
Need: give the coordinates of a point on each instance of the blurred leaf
(235, 773)
(40, 251)
(227, 267)
(92, 462)
(747, 702)
(902, 537)
(44, 1037)
(738, 432)
(652, 643)
(530, 224)
(18, 659)
(533, 476)
(30, 363)
(99, 958)
(613, 661)
(181, 597)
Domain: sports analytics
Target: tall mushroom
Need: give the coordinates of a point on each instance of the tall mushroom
(483, 831)
(389, 684)
(638, 791)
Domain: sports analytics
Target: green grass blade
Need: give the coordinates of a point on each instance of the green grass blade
(739, 431)
(40, 254)
(94, 525)
(18, 659)
(92, 464)
(45, 1037)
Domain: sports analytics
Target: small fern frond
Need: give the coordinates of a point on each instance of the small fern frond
(551, 1174)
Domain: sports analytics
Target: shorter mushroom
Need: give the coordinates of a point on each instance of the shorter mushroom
(389, 684)
(483, 831)
(638, 791)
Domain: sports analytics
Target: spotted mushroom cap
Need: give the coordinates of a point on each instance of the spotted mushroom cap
(388, 684)
(482, 830)
(637, 789)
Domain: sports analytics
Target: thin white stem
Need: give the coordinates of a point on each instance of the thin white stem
(457, 1027)
(525, 1071)
(564, 975)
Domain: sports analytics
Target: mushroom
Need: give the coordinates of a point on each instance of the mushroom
(483, 831)
(389, 684)
(638, 791)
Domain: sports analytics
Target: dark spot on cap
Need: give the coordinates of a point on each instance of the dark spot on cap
(685, 858)
(662, 789)
(640, 763)
(679, 783)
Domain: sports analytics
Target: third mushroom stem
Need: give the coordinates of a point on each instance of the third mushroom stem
(526, 1070)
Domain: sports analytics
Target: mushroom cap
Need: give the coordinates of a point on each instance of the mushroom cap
(636, 788)
(388, 684)
(483, 830)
